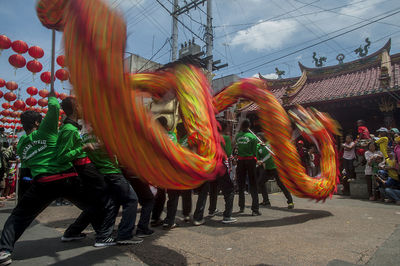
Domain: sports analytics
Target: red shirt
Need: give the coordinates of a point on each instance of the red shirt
(363, 132)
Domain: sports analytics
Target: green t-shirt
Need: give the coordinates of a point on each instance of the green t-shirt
(265, 156)
(227, 146)
(38, 150)
(184, 141)
(172, 136)
(247, 144)
(100, 158)
(69, 144)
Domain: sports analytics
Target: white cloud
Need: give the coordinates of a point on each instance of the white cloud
(268, 76)
(265, 36)
(356, 8)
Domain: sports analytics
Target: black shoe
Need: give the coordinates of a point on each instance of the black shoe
(69, 238)
(144, 233)
(169, 226)
(186, 219)
(155, 223)
(109, 241)
(265, 203)
(5, 257)
(213, 213)
(241, 210)
(256, 213)
(197, 223)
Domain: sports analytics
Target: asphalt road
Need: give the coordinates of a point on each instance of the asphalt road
(341, 231)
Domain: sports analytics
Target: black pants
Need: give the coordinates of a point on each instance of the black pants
(201, 201)
(36, 199)
(247, 168)
(273, 174)
(23, 184)
(214, 189)
(349, 166)
(227, 187)
(262, 178)
(96, 191)
(159, 203)
(172, 204)
(146, 200)
(123, 195)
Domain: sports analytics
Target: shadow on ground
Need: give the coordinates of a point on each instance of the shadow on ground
(305, 215)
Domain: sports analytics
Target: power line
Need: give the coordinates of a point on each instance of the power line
(169, 12)
(348, 15)
(252, 61)
(151, 58)
(315, 44)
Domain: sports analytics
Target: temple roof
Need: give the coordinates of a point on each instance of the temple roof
(359, 78)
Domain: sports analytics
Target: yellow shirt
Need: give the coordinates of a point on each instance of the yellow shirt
(392, 173)
(383, 145)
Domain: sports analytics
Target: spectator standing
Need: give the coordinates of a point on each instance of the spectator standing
(373, 157)
(349, 155)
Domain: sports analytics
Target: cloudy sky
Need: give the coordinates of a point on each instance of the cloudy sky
(250, 35)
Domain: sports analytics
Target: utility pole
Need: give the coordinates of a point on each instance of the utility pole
(174, 36)
(209, 38)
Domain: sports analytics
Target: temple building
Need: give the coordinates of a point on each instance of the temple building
(367, 89)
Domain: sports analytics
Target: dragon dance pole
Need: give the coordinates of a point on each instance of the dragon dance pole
(53, 45)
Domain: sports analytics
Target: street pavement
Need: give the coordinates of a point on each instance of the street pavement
(341, 231)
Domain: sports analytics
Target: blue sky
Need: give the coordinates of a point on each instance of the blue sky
(248, 33)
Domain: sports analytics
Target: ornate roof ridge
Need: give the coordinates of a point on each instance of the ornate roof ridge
(351, 66)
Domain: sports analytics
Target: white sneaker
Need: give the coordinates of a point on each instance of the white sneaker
(5, 257)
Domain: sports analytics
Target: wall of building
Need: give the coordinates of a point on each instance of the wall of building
(135, 63)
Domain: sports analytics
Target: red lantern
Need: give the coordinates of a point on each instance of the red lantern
(10, 96)
(32, 90)
(61, 60)
(57, 95)
(62, 74)
(34, 66)
(19, 128)
(42, 102)
(19, 105)
(5, 42)
(43, 93)
(17, 61)
(13, 114)
(19, 47)
(12, 85)
(7, 126)
(2, 83)
(44, 110)
(15, 136)
(1, 126)
(6, 106)
(5, 113)
(9, 121)
(36, 52)
(1, 94)
(46, 77)
(63, 96)
(12, 127)
(31, 101)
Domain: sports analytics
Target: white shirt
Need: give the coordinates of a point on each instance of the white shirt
(369, 155)
(350, 154)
